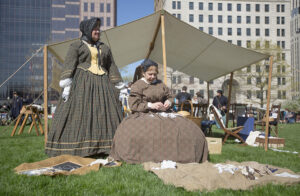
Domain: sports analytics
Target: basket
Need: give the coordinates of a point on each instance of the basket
(196, 120)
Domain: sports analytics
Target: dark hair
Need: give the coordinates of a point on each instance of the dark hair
(148, 63)
(184, 88)
(199, 94)
(138, 74)
(220, 91)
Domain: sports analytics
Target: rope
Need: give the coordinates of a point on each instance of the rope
(21, 67)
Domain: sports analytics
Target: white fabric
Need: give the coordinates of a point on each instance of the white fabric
(166, 165)
(168, 115)
(120, 85)
(217, 111)
(226, 168)
(277, 150)
(252, 137)
(101, 161)
(66, 82)
(209, 60)
(66, 93)
(287, 175)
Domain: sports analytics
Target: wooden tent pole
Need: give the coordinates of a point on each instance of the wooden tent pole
(154, 38)
(162, 18)
(229, 98)
(46, 92)
(207, 83)
(268, 103)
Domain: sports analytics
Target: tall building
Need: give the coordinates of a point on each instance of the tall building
(295, 44)
(24, 27)
(67, 14)
(262, 25)
(28, 25)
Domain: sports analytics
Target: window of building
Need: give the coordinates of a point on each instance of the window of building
(267, 20)
(191, 80)
(191, 18)
(102, 21)
(92, 7)
(174, 91)
(259, 94)
(108, 21)
(282, 32)
(248, 7)
(257, 20)
(178, 5)
(239, 19)
(278, 81)
(238, 7)
(283, 19)
(239, 42)
(201, 28)
(173, 79)
(210, 6)
(267, 7)
(267, 44)
(239, 31)
(278, 94)
(248, 44)
(220, 31)
(267, 32)
(283, 81)
(278, 57)
(210, 18)
(192, 92)
(191, 5)
(229, 41)
(278, 44)
(283, 94)
(282, 8)
(248, 19)
(257, 32)
(229, 19)
(201, 92)
(267, 67)
(278, 8)
(220, 6)
(278, 32)
(85, 7)
(200, 18)
(249, 94)
(101, 7)
(278, 20)
(283, 44)
(257, 68)
(257, 7)
(200, 5)
(179, 91)
(229, 31)
(174, 5)
(108, 7)
(249, 80)
(201, 82)
(85, 18)
(249, 68)
(220, 19)
(258, 80)
(283, 58)
(229, 7)
(179, 16)
(211, 82)
(248, 31)
(211, 94)
(210, 31)
(178, 79)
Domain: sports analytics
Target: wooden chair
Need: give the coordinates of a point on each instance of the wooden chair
(228, 131)
(273, 123)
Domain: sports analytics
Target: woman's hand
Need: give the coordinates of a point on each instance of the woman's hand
(157, 106)
(167, 104)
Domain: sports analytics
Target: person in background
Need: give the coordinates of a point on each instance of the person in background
(17, 104)
(183, 95)
(220, 102)
(201, 99)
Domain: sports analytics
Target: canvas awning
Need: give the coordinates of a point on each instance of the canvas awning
(188, 49)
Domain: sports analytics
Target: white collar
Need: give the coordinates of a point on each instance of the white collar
(144, 79)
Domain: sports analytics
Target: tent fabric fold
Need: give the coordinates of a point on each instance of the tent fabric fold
(188, 49)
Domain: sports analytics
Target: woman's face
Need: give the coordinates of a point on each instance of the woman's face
(151, 74)
(96, 33)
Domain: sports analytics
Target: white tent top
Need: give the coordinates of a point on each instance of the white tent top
(188, 49)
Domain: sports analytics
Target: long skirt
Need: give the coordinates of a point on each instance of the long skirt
(144, 137)
(85, 124)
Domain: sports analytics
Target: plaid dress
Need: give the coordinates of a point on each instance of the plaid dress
(149, 135)
(85, 124)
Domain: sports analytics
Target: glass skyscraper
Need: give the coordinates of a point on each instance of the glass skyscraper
(24, 27)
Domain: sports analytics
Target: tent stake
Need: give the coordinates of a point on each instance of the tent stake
(162, 17)
(46, 92)
(268, 103)
(229, 98)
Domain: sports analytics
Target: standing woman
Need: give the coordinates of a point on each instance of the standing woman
(88, 112)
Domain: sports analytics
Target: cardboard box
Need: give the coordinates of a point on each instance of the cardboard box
(214, 145)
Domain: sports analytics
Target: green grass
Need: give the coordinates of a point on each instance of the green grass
(132, 179)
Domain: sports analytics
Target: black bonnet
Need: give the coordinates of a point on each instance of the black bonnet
(86, 27)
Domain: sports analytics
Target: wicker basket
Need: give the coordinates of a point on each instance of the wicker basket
(196, 120)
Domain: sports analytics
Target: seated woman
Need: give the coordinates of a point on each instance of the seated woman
(152, 132)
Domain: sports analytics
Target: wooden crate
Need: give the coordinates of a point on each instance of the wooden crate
(214, 145)
(275, 142)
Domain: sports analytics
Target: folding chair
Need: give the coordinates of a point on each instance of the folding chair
(228, 131)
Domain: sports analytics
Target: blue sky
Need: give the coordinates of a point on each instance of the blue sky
(128, 11)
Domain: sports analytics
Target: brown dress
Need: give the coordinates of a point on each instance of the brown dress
(149, 135)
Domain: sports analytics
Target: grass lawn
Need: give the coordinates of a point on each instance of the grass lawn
(132, 179)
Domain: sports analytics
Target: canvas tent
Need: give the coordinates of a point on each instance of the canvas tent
(168, 40)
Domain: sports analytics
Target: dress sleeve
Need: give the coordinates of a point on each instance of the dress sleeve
(113, 71)
(70, 63)
(136, 102)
